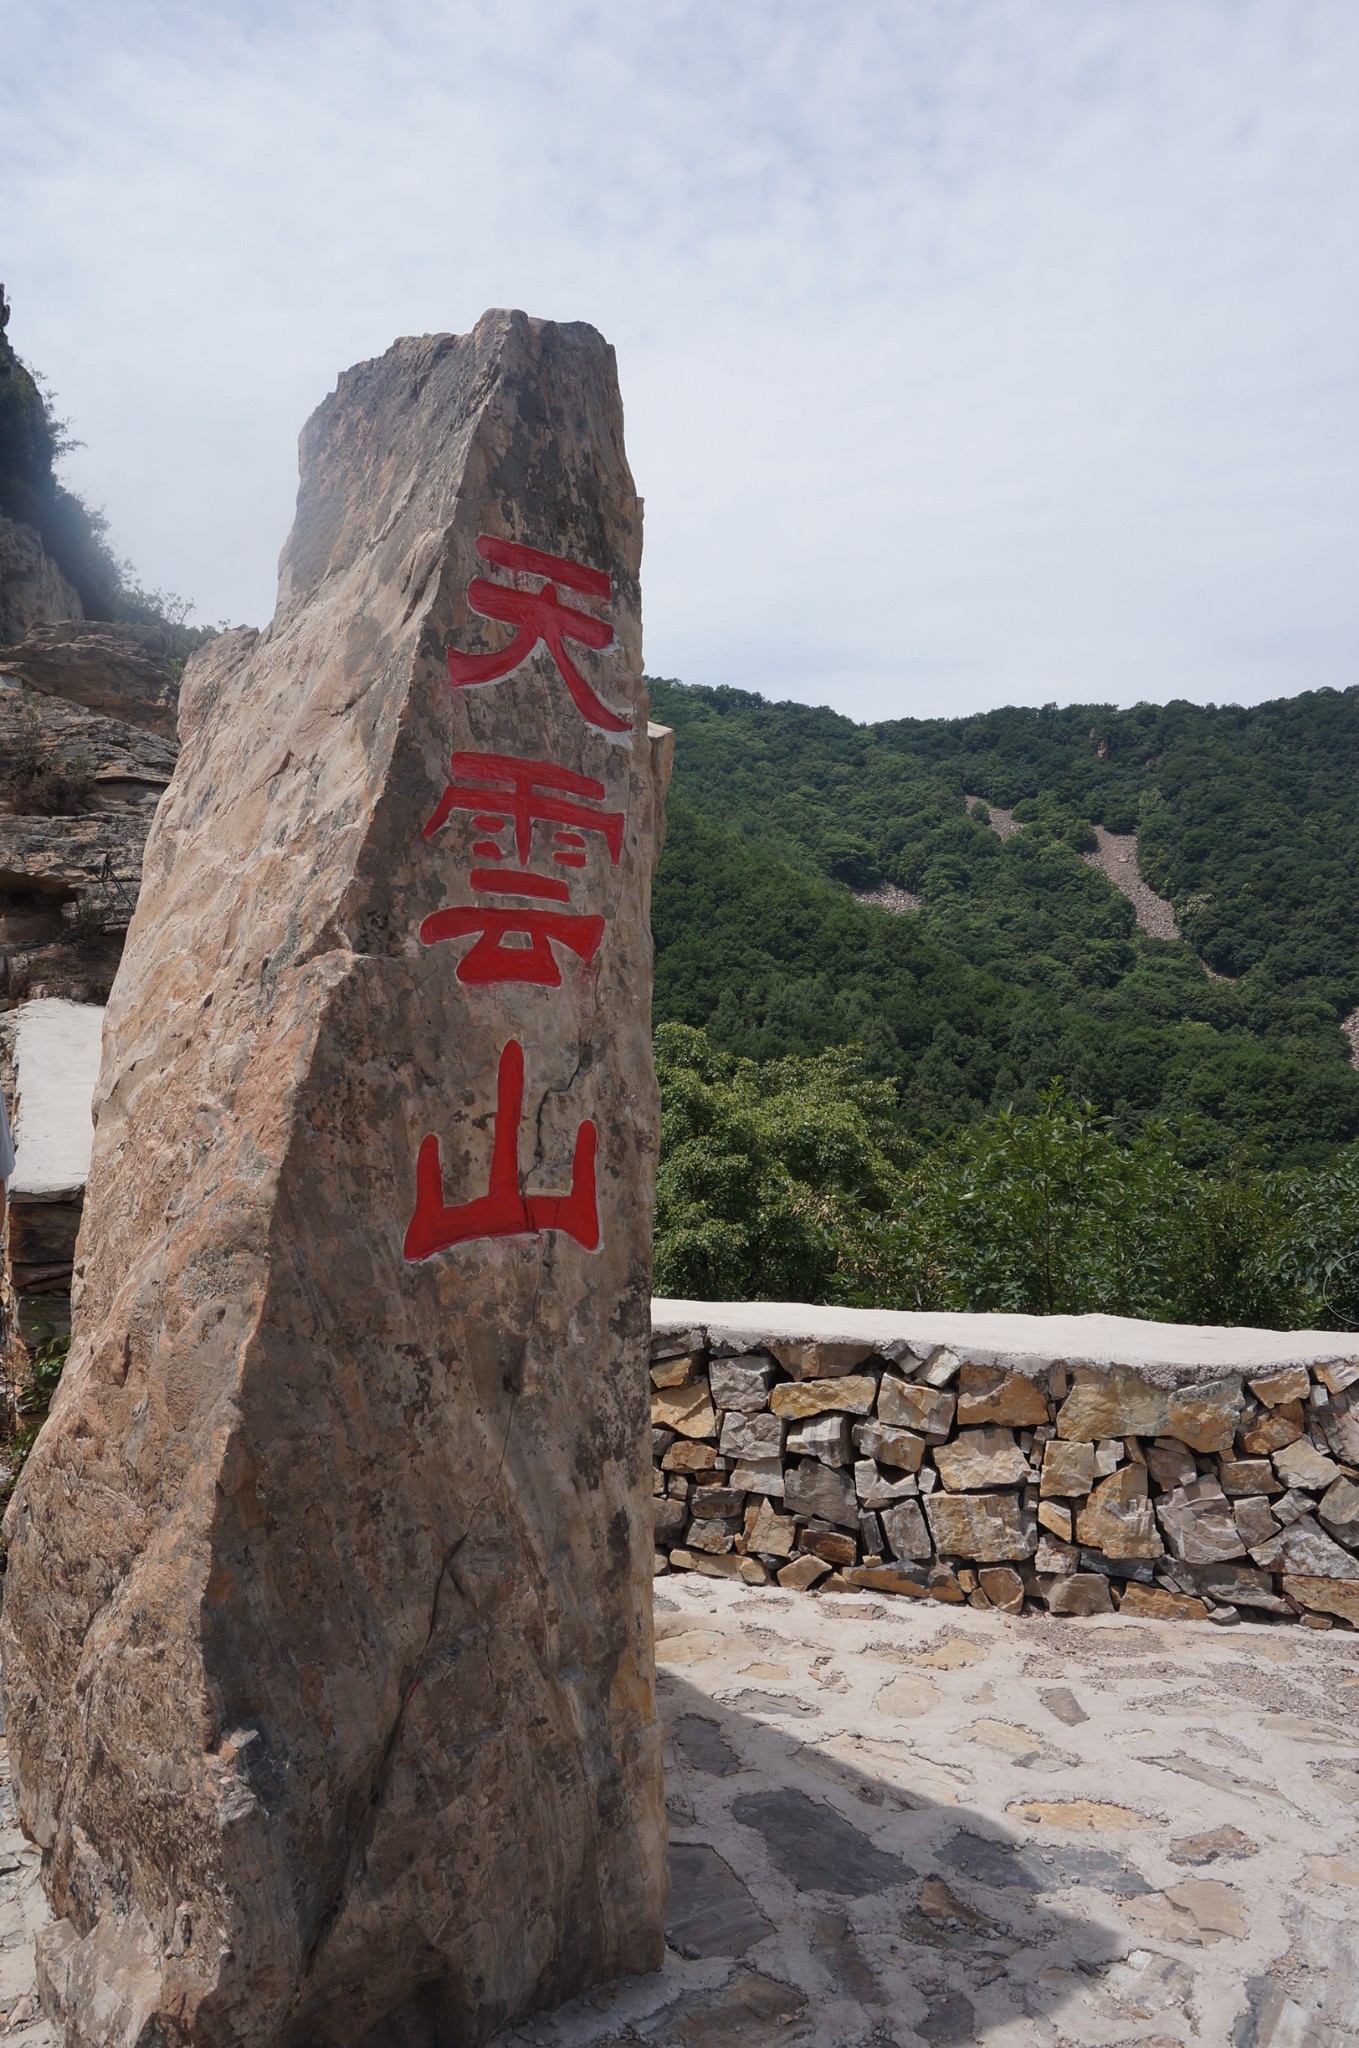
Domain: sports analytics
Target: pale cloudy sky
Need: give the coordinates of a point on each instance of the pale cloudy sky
(974, 351)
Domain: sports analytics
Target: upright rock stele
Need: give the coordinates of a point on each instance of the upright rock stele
(327, 1633)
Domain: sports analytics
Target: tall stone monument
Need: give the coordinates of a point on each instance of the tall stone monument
(327, 1634)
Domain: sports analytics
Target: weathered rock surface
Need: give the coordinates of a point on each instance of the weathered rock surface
(986, 1393)
(327, 1628)
(1125, 1403)
(1198, 1524)
(33, 591)
(990, 1527)
(119, 670)
(981, 1457)
(1117, 1517)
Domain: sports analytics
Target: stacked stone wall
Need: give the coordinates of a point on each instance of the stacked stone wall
(949, 1471)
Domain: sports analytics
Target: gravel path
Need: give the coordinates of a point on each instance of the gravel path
(895, 1824)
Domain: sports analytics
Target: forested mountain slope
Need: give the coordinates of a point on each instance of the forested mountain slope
(1025, 964)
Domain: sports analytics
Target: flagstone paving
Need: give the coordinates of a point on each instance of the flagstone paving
(899, 1823)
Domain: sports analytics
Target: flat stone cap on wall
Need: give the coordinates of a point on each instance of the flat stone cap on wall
(1168, 1354)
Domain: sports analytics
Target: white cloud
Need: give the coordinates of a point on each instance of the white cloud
(974, 350)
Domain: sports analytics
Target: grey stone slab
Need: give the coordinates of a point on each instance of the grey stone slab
(815, 1847)
(704, 1747)
(710, 1912)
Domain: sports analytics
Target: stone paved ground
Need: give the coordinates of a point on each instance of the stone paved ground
(896, 1823)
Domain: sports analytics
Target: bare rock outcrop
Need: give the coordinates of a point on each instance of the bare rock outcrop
(33, 590)
(119, 670)
(327, 1627)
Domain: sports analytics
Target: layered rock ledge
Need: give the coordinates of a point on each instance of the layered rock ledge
(1080, 1464)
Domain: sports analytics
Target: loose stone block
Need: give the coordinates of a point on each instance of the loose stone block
(876, 1490)
(822, 1436)
(803, 1573)
(886, 1578)
(1120, 1403)
(815, 1360)
(1055, 1557)
(1056, 1519)
(1198, 1525)
(1247, 1475)
(1325, 1596)
(749, 1437)
(669, 1518)
(1109, 1453)
(986, 1393)
(1003, 1587)
(979, 1458)
(940, 1369)
(674, 1372)
(1254, 1522)
(1276, 1388)
(1171, 1464)
(687, 1410)
(684, 1456)
(829, 1544)
(849, 1396)
(810, 1488)
(870, 1534)
(1300, 1464)
(904, 1528)
(671, 1344)
(991, 1528)
(899, 1447)
(741, 1382)
(1267, 1433)
(1154, 1603)
(1237, 1585)
(717, 1500)
(1340, 1427)
(713, 1536)
(327, 1623)
(1339, 1508)
(926, 1410)
(1079, 1593)
(1306, 1552)
(1337, 1377)
(1117, 1518)
(759, 1475)
(748, 1570)
(1068, 1469)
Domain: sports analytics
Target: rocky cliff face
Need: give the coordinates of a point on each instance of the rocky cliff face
(327, 1622)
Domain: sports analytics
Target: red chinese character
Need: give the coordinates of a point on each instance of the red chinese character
(503, 789)
(540, 617)
(504, 1210)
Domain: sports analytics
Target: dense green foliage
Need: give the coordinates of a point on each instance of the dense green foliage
(790, 1180)
(1024, 964)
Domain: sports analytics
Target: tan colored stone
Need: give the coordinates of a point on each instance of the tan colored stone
(1327, 1870)
(907, 1405)
(849, 1396)
(690, 1457)
(989, 1528)
(1117, 1517)
(1003, 1588)
(819, 1360)
(889, 1446)
(986, 1393)
(1080, 1816)
(1068, 1469)
(685, 1409)
(886, 1578)
(1154, 1603)
(1056, 1519)
(830, 1544)
(1241, 1476)
(1275, 1389)
(907, 1698)
(672, 1372)
(748, 1570)
(1079, 1593)
(770, 1534)
(1054, 1556)
(1119, 1402)
(1336, 1377)
(1216, 1906)
(802, 1573)
(979, 1458)
(280, 1691)
(1301, 1464)
(1324, 1596)
(1270, 1432)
